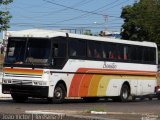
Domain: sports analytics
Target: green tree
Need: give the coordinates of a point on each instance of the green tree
(142, 21)
(4, 15)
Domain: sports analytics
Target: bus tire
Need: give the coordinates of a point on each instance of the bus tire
(59, 94)
(19, 98)
(125, 93)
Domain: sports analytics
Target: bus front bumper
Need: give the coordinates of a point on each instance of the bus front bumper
(28, 90)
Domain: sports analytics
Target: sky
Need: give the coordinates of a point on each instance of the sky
(94, 15)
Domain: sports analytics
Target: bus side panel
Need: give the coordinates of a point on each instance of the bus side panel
(146, 87)
(92, 85)
(138, 85)
(114, 87)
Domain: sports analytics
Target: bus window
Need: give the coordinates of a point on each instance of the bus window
(149, 55)
(122, 52)
(105, 50)
(59, 52)
(111, 55)
(16, 51)
(136, 54)
(77, 48)
(97, 50)
(43, 50)
(94, 49)
(139, 52)
(55, 49)
(90, 49)
(104, 54)
(125, 52)
(112, 51)
(96, 54)
(89, 52)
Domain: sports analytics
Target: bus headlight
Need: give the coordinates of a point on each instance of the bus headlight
(39, 83)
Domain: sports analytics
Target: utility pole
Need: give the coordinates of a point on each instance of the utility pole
(106, 21)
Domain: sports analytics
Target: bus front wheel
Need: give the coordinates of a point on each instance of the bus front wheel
(125, 92)
(58, 95)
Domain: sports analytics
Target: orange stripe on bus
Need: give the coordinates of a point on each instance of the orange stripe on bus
(74, 88)
(23, 71)
(120, 72)
(84, 86)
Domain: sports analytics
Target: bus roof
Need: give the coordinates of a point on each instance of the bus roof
(41, 33)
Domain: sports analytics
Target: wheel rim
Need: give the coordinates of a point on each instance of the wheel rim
(125, 94)
(58, 93)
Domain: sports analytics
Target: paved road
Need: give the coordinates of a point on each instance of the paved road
(132, 110)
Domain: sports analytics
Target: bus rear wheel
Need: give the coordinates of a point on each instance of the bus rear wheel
(58, 95)
(125, 93)
(19, 98)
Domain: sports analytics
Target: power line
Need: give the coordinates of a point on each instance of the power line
(84, 11)
(86, 14)
(115, 5)
(106, 5)
(61, 10)
(58, 26)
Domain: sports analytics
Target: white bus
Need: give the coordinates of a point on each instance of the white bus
(56, 65)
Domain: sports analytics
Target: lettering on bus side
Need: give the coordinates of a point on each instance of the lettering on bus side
(109, 65)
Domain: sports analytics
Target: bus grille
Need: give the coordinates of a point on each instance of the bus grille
(21, 82)
(22, 75)
(22, 79)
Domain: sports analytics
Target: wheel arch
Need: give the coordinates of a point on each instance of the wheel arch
(64, 84)
(127, 83)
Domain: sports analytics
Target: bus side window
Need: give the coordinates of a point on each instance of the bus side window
(125, 52)
(90, 49)
(112, 51)
(77, 48)
(104, 54)
(89, 52)
(96, 53)
(73, 52)
(125, 57)
(111, 55)
(55, 50)
(118, 56)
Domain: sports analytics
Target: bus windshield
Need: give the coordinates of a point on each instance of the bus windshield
(28, 51)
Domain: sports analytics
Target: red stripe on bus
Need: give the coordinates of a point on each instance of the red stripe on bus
(74, 88)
